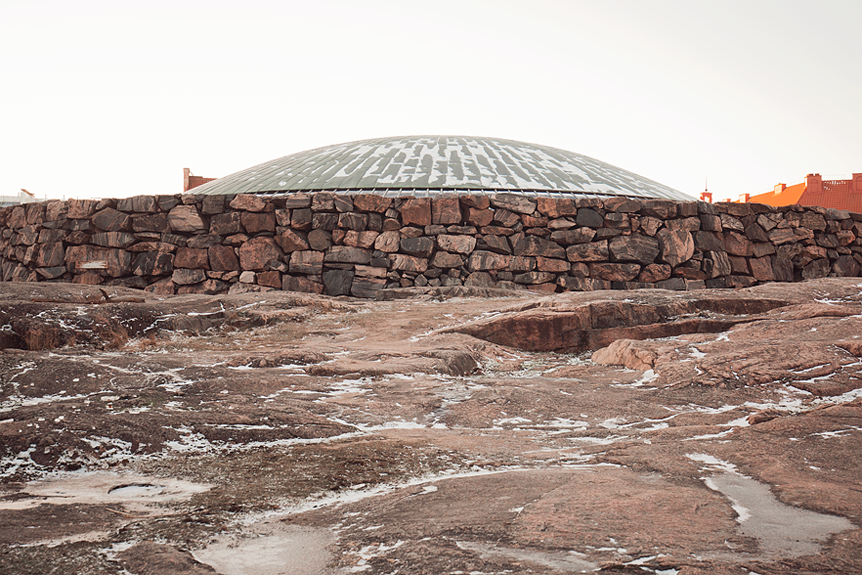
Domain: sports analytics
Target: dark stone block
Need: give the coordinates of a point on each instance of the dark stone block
(634, 248)
(590, 218)
(420, 247)
(338, 282)
(153, 264)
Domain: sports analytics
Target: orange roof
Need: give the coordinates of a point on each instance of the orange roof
(789, 196)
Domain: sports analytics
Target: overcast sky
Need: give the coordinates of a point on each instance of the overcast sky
(112, 99)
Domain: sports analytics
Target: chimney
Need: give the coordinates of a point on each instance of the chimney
(743, 198)
(813, 183)
(780, 188)
(706, 197)
(186, 173)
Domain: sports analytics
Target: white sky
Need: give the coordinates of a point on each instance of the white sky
(114, 98)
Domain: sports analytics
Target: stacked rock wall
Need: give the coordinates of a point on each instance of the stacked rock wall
(357, 245)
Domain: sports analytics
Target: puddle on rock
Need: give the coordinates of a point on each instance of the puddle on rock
(103, 487)
(286, 550)
(782, 531)
(560, 561)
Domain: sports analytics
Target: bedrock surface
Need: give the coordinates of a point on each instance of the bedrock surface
(439, 431)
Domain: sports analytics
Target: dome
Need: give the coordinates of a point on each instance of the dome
(433, 165)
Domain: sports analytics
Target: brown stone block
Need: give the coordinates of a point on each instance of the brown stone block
(301, 284)
(292, 241)
(371, 203)
(634, 248)
(401, 262)
(269, 279)
(590, 252)
(153, 263)
(367, 287)
(55, 272)
(80, 209)
(282, 217)
(573, 236)
(338, 282)
(226, 224)
(256, 222)
(213, 204)
(654, 273)
(336, 235)
(677, 246)
(535, 278)
(322, 202)
(561, 224)
(306, 262)
(319, 240)
(496, 231)
(256, 253)
(481, 260)
(614, 272)
(536, 246)
(54, 211)
(445, 210)
(421, 246)
(192, 258)
(618, 221)
(689, 273)
(474, 201)
(388, 242)
(183, 277)
(534, 221)
(661, 209)
(390, 224)
(50, 254)
(186, 219)
(356, 239)
(222, 258)
(111, 220)
(522, 264)
(416, 211)
(478, 217)
(737, 244)
(761, 269)
(729, 222)
(620, 204)
(513, 203)
(353, 221)
(348, 255)
(551, 265)
(152, 223)
(506, 219)
(734, 208)
(139, 204)
(248, 203)
(718, 264)
(446, 260)
(325, 221)
(104, 261)
(301, 219)
(556, 207)
(113, 239)
(456, 243)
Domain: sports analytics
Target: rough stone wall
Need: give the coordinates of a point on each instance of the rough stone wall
(357, 245)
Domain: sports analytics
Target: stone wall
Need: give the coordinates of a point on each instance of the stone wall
(357, 245)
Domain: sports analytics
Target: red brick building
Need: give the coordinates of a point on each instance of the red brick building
(191, 181)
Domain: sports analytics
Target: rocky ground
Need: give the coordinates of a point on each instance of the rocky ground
(442, 430)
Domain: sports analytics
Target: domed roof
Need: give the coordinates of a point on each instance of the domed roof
(431, 165)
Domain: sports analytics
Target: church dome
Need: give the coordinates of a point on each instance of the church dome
(432, 165)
